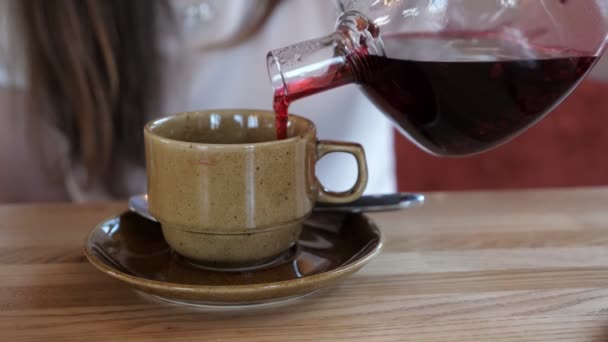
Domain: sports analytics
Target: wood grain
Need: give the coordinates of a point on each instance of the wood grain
(488, 266)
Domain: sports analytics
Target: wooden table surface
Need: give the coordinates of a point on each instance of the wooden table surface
(490, 266)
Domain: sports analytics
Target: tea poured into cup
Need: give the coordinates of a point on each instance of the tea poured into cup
(228, 193)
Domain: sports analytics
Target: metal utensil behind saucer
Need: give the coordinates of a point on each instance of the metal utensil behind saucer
(367, 203)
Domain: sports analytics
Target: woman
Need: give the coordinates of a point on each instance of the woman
(78, 80)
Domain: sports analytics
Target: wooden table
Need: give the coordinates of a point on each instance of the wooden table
(509, 266)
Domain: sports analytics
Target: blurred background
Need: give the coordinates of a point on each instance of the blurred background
(78, 79)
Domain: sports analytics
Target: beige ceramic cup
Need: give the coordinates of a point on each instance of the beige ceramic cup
(227, 193)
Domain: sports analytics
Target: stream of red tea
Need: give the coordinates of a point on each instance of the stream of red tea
(298, 90)
(453, 107)
(280, 104)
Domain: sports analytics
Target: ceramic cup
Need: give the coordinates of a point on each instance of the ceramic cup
(227, 193)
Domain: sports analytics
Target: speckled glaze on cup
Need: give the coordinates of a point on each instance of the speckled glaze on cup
(227, 193)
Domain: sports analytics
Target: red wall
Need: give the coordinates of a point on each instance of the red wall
(567, 148)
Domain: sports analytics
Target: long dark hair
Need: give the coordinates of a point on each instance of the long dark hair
(94, 72)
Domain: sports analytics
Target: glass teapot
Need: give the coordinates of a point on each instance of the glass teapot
(456, 77)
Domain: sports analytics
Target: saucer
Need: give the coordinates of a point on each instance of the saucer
(331, 247)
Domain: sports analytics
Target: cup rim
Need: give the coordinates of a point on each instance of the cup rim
(148, 129)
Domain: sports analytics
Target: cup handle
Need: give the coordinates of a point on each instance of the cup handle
(326, 196)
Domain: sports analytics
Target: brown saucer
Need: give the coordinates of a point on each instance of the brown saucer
(331, 247)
